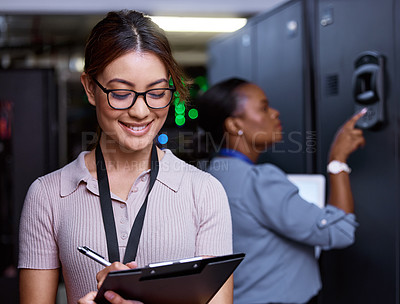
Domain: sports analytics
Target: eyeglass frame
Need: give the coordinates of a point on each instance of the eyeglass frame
(137, 94)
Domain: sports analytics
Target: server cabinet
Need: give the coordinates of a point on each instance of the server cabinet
(368, 271)
(32, 145)
(272, 51)
(305, 58)
(232, 56)
(282, 70)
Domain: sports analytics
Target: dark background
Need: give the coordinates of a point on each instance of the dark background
(302, 53)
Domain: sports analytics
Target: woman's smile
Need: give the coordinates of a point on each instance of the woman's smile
(135, 128)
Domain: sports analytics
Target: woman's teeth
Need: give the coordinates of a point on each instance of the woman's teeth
(137, 128)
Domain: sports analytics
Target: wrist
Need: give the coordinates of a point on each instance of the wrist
(337, 156)
(336, 166)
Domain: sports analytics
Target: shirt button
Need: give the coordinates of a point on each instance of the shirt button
(324, 222)
(135, 189)
(144, 178)
(124, 236)
(122, 220)
(122, 206)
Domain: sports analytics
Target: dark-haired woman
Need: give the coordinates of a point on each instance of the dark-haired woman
(130, 77)
(272, 224)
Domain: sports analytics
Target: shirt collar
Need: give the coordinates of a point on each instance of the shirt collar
(73, 174)
(171, 170)
(236, 154)
(170, 174)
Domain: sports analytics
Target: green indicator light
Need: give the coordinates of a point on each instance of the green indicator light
(193, 113)
(180, 108)
(177, 99)
(180, 120)
(202, 82)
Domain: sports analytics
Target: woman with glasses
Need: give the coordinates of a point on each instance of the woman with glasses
(272, 224)
(127, 200)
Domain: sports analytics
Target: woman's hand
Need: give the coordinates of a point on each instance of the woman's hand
(347, 139)
(89, 298)
(111, 296)
(101, 275)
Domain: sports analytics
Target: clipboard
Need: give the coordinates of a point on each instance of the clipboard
(194, 280)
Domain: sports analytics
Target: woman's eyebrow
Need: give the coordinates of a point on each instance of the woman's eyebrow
(118, 80)
(157, 82)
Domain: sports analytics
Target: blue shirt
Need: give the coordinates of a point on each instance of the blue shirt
(277, 230)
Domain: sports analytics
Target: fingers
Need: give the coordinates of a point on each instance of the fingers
(354, 136)
(101, 275)
(353, 141)
(88, 299)
(357, 132)
(132, 265)
(358, 137)
(347, 140)
(353, 120)
(114, 298)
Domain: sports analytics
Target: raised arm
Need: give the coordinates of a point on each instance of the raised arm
(347, 140)
(38, 286)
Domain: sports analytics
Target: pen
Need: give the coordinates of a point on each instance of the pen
(93, 255)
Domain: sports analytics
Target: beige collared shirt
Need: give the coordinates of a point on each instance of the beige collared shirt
(187, 215)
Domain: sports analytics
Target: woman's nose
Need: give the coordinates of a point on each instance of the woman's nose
(274, 113)
(139, 109)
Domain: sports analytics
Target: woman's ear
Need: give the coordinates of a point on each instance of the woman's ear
(232, 125)
(89, 87)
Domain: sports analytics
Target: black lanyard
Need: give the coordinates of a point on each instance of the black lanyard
(108, 214)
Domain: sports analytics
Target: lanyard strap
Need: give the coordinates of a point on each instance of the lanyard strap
(234, 153)
(108, 214)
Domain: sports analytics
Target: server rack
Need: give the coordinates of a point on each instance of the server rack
(368, 271)
(321, 69)
(29, 145)
(273, 50)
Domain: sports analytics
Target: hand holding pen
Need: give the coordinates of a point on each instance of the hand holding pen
(111, 296)
(101, 275)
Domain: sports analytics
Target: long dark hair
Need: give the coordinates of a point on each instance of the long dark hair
(216, 105)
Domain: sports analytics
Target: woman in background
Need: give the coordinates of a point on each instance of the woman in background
(272, 224)
(130, 77)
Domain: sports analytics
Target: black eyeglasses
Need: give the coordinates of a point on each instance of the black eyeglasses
(121, 99)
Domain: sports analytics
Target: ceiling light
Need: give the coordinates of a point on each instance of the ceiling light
(199, 24)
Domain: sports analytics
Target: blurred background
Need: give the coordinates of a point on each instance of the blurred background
(45, 118)
(319, 61)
